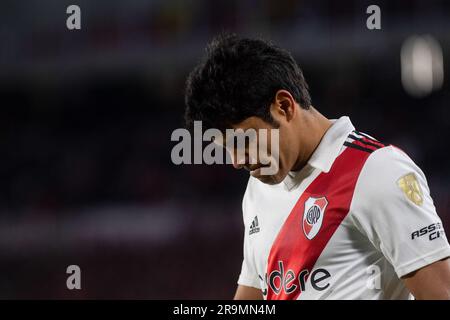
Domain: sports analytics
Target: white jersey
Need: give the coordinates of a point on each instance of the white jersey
(348, 225)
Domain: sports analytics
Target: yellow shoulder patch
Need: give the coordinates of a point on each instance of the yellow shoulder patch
(411, 188)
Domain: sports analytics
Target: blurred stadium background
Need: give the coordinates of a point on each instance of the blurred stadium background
(86, 118)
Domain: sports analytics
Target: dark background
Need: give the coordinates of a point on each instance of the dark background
(86, 117)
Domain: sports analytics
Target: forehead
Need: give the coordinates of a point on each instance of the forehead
(240, 135)
(252, 123)
(249, 129)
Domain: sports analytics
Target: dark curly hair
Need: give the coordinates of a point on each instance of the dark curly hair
(238, 78)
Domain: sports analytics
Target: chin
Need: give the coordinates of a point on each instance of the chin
(272, 179)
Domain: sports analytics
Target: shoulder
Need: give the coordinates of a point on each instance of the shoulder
(389, 155)
(390, 181)
(386, 166)
(258, 197)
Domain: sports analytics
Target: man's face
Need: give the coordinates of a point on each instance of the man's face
(268, 154)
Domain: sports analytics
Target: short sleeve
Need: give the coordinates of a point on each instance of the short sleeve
(392, 206)
(248, 276)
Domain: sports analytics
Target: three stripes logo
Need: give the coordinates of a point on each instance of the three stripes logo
(254, 227)
(363, 142)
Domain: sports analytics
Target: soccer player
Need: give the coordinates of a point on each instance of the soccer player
(345, 216)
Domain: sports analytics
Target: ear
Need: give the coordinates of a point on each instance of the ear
(284, 106)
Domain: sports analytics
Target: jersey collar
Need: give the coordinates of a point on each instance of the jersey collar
(331, 144)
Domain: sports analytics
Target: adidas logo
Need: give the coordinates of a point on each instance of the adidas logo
(254, 227)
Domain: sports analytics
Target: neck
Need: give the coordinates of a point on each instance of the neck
(312, 128)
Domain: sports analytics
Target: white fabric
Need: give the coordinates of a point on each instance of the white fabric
(375, 235)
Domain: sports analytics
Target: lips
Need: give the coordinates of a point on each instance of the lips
(256, 171)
